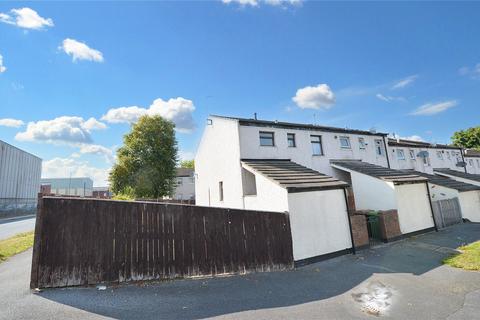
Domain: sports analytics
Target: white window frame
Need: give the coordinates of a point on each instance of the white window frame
(361, 143)
(439, 155)
(448, 155)
(379, 147)
(347, 140)
(411, 152)
(470, 162)
(401, 154)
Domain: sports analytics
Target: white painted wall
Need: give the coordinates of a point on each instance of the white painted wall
(473, 165)
(470, 204)
(319, 223)
(302, 153)
(218, 159)
(414, 211)
(270, 196)
(448, 159)
(441, 193)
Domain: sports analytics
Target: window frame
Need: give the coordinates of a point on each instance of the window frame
(319, 142)
(361, 143)
(379, 146)
(220, 191)
(402, 152)
(411, 152)
(291, 135)
(440, 155)
(266, 132)
(347, 139)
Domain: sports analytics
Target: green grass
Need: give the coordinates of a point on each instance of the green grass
(468, 259)
(16, 244)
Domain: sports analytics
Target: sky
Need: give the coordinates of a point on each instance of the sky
(74, 76)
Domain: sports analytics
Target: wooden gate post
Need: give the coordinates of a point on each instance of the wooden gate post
(37, 244)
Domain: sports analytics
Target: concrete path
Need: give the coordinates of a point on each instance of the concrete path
(402, 280)
(11, 226)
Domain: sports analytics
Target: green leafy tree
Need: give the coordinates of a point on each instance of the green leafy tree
(469, 138)
(146, 162)
(190, 164)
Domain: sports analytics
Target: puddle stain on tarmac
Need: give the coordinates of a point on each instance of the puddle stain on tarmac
(375, 298)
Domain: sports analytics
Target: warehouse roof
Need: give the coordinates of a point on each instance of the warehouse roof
(299, 126)
(450, 172)
(379, 172)
(292, 176)
(446, 182)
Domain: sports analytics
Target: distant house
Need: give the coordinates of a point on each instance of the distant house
(79, 187)
(101, 193)
(185, 184)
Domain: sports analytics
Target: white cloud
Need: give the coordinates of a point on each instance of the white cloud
(473, 72)
(430, 109)
(70, 130)
(405, 82)
(64, 167)
(97, 150)
(13, 123)
(389, 98)
(255, 3)
(26, 18)
(178, 110)
(2, 67)
(317, 97)
(80, 51)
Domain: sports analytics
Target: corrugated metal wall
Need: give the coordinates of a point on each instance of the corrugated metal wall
(19, 179)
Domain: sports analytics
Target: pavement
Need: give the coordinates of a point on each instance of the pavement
(400, 280)
(11, 226)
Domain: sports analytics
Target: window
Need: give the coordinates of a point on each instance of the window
(361, 143)
(317, 149)
(412, 154)
(220, 190)
(379, 147)
(345, 142)
(448, 155)
(478, 163)
(426, 161)
(179, 181)
(400, 154)
(470, 162)
(291, 140)
(439, 155)
(266, 139)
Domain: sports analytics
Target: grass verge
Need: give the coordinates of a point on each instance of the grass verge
(16, 244)
(468, 259)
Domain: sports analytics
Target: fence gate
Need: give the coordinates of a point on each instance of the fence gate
(447, 212)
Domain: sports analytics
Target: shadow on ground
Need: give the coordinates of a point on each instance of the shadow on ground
(201, 298)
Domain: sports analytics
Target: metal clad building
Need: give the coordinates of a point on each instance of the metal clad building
(20, 174)
(81, 187)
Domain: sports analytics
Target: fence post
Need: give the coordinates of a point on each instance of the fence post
(37, 244)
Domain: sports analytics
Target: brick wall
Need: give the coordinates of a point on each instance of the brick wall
(389, 225)
(359, 230)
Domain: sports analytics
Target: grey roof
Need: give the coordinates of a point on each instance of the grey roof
(292, 176)
(469, 176)
(419, 144)
(446, 182)
(299, 126)
(184, 172)
(472, 153)
(379, 172)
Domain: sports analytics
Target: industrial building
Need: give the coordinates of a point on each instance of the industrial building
(80, 187)
(20, 174)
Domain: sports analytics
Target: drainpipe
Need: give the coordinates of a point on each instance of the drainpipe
(431, 206)
(463, 159)
(386, 152)
(349, 221)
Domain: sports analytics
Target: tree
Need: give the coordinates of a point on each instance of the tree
(469, 138)
(146, 162)
(190, 164)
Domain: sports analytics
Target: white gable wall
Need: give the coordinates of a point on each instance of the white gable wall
(372, 193)
(218, 159)
(442, 193)
(270, 196)
(302, 153)
(470, 204)
(449, 159)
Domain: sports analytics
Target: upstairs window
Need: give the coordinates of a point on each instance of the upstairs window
(317, 149)
(400, 154)
(448, 155)
(267, 139)
(379, 147)
(439, 155)
(470, 162)
(478, 163)
(345, 142)
(291, 140)
(361, 143)
(412, 154)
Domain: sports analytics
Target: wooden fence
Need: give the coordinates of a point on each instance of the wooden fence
(447, 212)
(88, 241)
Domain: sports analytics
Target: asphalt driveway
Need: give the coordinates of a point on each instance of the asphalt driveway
(402, 280)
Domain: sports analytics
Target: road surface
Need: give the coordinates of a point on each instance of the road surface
(10, 227)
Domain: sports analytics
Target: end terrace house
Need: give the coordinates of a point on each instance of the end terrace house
(221, 180)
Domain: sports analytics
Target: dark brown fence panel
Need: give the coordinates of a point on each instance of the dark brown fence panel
(88, 241)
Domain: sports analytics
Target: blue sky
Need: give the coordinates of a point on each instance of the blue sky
(400, 67)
